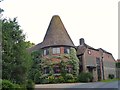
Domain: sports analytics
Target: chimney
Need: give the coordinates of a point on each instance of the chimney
(81, 41)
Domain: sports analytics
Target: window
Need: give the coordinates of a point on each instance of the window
(66, 50)
(56, 69)
(98, 61)
(56, 50)
(69, 69)
(46, 70)
(46, 52)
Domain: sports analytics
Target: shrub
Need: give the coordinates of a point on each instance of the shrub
(17, 86)
(59, 79)
(85, 77)
(37, 78)
(7, 84)
(44, 79)
(30, 85)
(69, 78)
(111, 76)
(51, 79)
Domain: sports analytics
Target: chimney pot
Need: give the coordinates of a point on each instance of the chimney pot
(81, 41)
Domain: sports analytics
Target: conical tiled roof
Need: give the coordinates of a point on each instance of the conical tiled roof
(56, 34)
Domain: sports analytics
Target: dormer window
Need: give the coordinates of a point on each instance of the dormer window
(66, 50)
(46, 52)
(56, 50)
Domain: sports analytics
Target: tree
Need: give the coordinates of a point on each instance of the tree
(75, 61)
(29, 44)
(1, 10)
(35, 71)
(15, 59)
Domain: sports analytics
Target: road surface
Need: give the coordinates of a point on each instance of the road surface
(99, 85)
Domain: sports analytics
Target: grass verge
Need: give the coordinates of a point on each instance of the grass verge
(110, 80)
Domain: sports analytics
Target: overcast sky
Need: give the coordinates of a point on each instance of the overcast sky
(94, 20)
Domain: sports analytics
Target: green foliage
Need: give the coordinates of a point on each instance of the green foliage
(37, 78)
(9, 85)
(59, 79)
(74, 61)
(44, 79)
(63, 68)
(35, 71)
(1, 10)
(69, 78)
(51, 79)
(16, 61)
(39, 62)
(85, 77)
(30, 85)
(110, 80)
(29, 44)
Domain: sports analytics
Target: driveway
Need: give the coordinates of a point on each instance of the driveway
(101, 85)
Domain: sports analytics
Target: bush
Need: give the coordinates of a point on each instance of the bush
(85, 77)
(17, 86)
(30, 85)
(111, 76)
(59, 79)
(45, 79)
(37, 78)
(6, 84)
(51, 79)
(69, 78)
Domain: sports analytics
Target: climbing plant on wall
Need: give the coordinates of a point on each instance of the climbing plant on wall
(65, 60)
(74, 61)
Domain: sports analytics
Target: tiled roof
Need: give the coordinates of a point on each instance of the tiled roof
(81, 48)
(35, 47)
(104, 51)
(56, 34)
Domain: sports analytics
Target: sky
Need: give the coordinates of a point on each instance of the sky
(94, 20)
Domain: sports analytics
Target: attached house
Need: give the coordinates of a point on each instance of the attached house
(97, 61)
(57, 42)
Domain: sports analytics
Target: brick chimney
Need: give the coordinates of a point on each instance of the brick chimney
(81, 41)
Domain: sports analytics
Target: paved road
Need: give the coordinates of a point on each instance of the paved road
(81, 85)
(97, 85)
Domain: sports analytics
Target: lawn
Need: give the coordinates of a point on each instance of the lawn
(110, 80)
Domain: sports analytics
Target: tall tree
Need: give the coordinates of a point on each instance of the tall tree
(15, 59)
(29, 44)
(1, 10)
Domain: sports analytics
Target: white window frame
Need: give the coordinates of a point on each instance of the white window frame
(45, 52)
(56, 50)
(68, 50)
